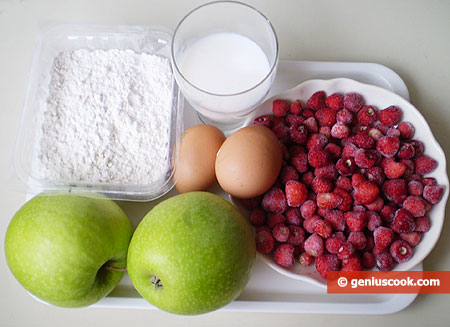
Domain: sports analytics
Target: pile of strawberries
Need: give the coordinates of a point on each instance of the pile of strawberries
(351, 193)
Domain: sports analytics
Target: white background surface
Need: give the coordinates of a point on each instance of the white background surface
(411, 37)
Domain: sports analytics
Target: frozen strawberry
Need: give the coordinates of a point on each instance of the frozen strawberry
(296, 235)
(298, 133)
(322, 211)
(262, 228)
(347, 199)
(359, 207)
(307, 113)
(394, 170)
(352, 263)
(318, 157)
(409, 168)
(353, 102)
(306, 259)
(366, 192)
(334, 150)
(281, 131)
(344, 117)
(334, 242)
(336, 219)
(258, 217)
(428, 181)
(311, 125)
(388, 146)
(280, 232)
(340, 131)
(422, 224)
(309, 223)
(356, 179)
(328, 200)
(358, 239)
(376, 205)
(356, 220)
(296, 107)
(364, 140)
(346, 166)
(346, 250)
(419, 147)
(366, 158)
(433, 193)
(308, 209)
(265, 121)
(326, 131)
(344, 183)
(323, 228)
(349, 150)
(415, 187)
(393, 132)
(280, 108)
(314, 245)
(384, 261)
(413, 238)
(288, 173)
(321, 185)
(375, 133)
(390, 116)
(274, 200)
(326, 117)
(328, 171)
(316, 139)
(367, 260)
(424, 165)
(326, 263)
(370, 242)
(284, 255)
(296, 193)
(406, 151)
(406, 130)
(300, 162)
(291, 120)
(403, 222)
(274, 219)
(395, 190)
(264, 241)
(335, 101)
(416, 205)
(296, 149)
(373, 220)
(293, 216)
(387, 212)
(367, 115)
(401, 251)
(382, 128)
(317, 100)
(307, 178)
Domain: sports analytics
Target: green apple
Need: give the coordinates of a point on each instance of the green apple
(192, 253)
(68, 250)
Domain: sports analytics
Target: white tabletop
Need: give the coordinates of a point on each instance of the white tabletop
(410, 37)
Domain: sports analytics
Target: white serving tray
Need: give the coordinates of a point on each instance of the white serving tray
(267, 290)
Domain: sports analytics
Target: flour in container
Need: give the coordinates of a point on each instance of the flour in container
(107, 118)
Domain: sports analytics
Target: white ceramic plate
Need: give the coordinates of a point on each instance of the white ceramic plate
(381, 98)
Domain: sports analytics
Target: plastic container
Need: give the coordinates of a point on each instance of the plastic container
(141, 39)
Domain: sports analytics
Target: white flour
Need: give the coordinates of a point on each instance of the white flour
(107, 118)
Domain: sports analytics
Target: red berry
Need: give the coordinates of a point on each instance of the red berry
(288, 173)
(344, 116)
(352, 263)
(300, 162)
(422, 224)
(274, 219)
(326, 263)
(401, 251)
(373, 220)
(364, 140)
(296, 107)
(317, 100)
(280, 233)
(318, 157)
(340, 131)
(296, 149)
(403, 222)
(366, 192)
(419, 147)
(336, 218)
(406, 130)
(316, 139)
(298, 133)
(356, 179)
(258, 217)
(433, 193)
(306, 259)
(284, 255)
(390, 116)
(323, 228)
(311, 125)
(296, 235)
(349, 150)
(393, 132)
(395, 190)
(328, 171)
(413, 238)
(334, 101)
(314, 245)
(388, 146)
(394, 170)
(384, 261)
(333, 243)
(346, 250)
(274, 200)
(309, 223)
(334, 150)
(368, 260)
(265, 121)
(326, 117)
(376, 205)
(347, 200)
(406, 151)
(387, 212)
(358, 239)
(344, 183)
(346, 166)
(356, 220)
(281, 131)
(296, 193)
(366, 158)
(307, 113)
(280, 108)
(308, 209)
(415, 187)
(428, 181)
(367, 115)
(424, 165)
(416, 205)
(353, 102)
(383, 237)
(264, 241)
(294, 119)
(321, 185)
(293, 216)
(328, 200)
(307, 178)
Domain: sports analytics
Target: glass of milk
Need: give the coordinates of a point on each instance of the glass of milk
(224, 58)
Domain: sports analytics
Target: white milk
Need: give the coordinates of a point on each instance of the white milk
(225, 64)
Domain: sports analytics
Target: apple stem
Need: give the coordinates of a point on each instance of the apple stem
(115, 268)
(157, 282)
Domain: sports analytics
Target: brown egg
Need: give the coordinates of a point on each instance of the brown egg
(195, 168)
(249, 162)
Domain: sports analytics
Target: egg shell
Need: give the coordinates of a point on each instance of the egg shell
(249, 162)
(195, 169)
